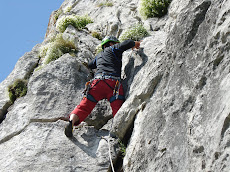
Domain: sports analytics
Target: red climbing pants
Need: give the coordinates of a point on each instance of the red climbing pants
(100, 89)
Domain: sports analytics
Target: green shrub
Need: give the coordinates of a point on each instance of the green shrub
(108, 4)
(51, 37)
(154, 8)
(78, 22)
(96, 35)
(56, 49)
(122, 148)
(135, 33)
(17, 89)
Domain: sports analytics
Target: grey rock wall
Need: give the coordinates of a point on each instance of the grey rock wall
(184, 124)
(176, 113)
(32, 135)
(22, 70)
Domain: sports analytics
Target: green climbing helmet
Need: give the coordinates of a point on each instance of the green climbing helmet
(109, 39)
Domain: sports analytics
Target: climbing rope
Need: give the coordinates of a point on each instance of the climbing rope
(108, 141)
(110, 156)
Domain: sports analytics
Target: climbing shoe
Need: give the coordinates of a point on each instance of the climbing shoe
(69, 129)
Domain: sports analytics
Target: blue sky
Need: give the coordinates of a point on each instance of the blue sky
(23, 25)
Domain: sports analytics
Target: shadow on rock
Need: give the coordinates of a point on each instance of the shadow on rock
(131, 70)
(90, 140)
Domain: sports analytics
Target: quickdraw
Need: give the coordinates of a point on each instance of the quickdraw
(116, 88)
(86, 91)
(87, 87)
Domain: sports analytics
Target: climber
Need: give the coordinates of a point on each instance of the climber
(106, 83)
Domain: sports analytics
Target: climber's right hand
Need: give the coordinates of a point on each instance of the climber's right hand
(137, 44)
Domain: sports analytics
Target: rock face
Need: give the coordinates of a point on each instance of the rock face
(176, 116)
(23, 69)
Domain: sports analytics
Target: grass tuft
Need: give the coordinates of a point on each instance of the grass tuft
(79, 22)
(96, 35)
(107, 4)
(17, 89)
(53, 50)
(122, 148)
(135, 33)
(153, 8)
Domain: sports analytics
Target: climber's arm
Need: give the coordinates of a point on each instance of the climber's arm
(93, 63)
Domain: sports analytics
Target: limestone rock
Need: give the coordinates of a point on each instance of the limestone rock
(176, 113)
(34, 122)
(50, 150)
(22, 70)
(184, 123)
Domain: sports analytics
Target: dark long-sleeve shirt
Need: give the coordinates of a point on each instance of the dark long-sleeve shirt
(109, 61)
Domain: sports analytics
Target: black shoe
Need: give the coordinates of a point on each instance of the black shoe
(69, 129)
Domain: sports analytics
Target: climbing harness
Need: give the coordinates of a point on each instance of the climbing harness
(103, 77)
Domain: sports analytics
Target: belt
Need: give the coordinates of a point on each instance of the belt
(101, 76)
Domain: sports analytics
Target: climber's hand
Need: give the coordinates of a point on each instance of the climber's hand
(137, 45)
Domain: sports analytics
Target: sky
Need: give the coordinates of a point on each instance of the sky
(23, 24)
